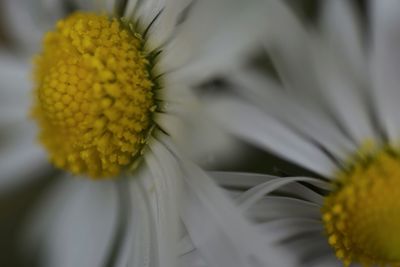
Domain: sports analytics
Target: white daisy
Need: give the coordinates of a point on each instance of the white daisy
(334, 112)
(111, 90)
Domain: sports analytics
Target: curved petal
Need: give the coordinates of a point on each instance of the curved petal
(218, 230)
(250, 197)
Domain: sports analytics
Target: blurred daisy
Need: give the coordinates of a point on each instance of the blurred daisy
(112, 89)
(335, 112)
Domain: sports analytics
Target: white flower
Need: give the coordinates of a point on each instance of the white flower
(136, 219)
(334, 111)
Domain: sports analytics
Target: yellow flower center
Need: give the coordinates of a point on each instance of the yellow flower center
(362, 215)
(94, 95)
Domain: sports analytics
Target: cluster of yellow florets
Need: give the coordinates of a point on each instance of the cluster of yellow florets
(94, 95)
(361, 216)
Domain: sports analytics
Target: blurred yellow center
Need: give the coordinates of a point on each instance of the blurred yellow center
(362, 216)
(93, 96)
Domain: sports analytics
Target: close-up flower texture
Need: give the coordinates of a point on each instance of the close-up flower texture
(199, 133)
(329, 107)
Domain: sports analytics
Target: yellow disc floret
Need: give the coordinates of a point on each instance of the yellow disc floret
(362, 215)
(94, 95)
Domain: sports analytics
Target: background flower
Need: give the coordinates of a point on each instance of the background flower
(329, 108)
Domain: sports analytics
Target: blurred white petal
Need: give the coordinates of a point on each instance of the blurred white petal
(341, 26)
(342, 95)
(76, 223)
(386, 63)
(316, 125)
(259, 128)
(281, 229)
(212, 37)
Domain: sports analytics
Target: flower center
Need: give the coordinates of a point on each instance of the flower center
(94, 95)
(362, 215)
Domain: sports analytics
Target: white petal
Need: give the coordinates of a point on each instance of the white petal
(296, 113)
(167, 23)
(213, 35)
(147, 11)
(218, 229)
(76, 223)
(240, 180)
(193, 259)
(202, 140)
(15, 95)
(245, 181)
(253, 195)
(260, 129)
(139, 245)
(20, 162)
(167, 180)
(289, 49)
(281, 229)
(386, 63)
(33, 20)
(346, 98)
(341, 25)
(272, 208)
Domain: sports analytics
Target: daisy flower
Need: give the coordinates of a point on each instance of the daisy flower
(111, 102)
(333, 110)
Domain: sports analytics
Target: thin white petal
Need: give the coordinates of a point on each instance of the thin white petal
(139, 246)
(148, 10)
(282, 229)
(167, 23)
(341, 25)
(289, 50)
(246, 181)
(299, 114)
(240, 180)
(386, 63)
(253, 195)
(269, 208)
(342, 94)
(259, 128)
(167, 180)
(218, 229)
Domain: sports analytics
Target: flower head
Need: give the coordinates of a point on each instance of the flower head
(95, 94)
(332, 110)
